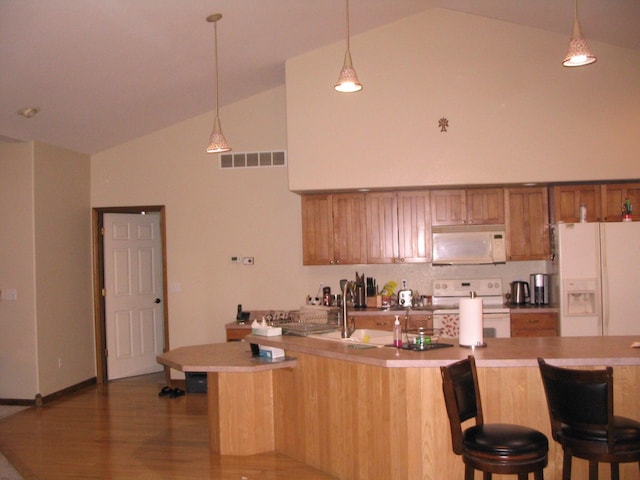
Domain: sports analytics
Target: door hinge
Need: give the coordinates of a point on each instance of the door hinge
(104, 292)
(102, 231)
(106, 353)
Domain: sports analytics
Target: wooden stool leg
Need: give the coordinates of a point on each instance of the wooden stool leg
(538, 475)
(523, 476)
(593, 470)
(615, 471)
(566, 466)
(468, 472)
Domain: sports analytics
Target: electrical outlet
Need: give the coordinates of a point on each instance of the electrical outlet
(247, 261)
(404, 283)
(59, 362)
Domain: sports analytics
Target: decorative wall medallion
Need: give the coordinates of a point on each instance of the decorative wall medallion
(443, 124)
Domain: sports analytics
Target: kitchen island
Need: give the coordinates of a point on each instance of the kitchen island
(378, 413)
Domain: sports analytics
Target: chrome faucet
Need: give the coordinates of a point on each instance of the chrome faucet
(347, 330)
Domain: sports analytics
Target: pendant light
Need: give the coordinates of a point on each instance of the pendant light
(578, 53)
(217, 142)
(348, 80)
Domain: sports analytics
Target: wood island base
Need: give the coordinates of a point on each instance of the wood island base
(379, 413)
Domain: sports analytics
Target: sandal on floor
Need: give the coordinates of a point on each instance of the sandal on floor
(176, 393)
(166, 391)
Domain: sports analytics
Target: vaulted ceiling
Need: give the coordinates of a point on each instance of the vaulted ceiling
(103, 72)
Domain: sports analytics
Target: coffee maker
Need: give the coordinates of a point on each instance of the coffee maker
(540, 289)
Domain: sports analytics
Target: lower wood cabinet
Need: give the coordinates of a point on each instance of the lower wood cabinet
(534, 324)
(236, 332)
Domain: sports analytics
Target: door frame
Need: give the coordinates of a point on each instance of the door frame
(99, 307)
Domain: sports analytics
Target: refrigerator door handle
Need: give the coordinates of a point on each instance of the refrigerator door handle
(604, 285)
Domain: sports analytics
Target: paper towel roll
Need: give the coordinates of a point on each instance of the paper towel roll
(471, 322)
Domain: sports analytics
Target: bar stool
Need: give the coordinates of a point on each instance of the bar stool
(582, 421)
(489, 447)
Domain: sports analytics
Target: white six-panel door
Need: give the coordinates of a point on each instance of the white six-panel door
(134, 312)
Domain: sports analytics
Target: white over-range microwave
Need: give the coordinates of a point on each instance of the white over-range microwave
(468, 244)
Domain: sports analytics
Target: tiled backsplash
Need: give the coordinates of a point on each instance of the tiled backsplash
(421, 276)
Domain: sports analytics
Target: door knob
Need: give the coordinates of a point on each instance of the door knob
(158, 300)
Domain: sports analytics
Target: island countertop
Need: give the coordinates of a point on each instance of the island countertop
(499, 352)
(220, 357)
(338, 396)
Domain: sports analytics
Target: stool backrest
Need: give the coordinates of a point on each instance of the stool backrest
(461, 396)
(580, 399)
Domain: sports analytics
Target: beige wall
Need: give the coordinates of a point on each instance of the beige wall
(46, 256)
(503, 111)
(213, 214)
(18, 354)
(515, 113)
(64, 306)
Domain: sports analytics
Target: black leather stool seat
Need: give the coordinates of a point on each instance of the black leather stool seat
(500, 448)
(580, 406)
(504, 439)
(625, 430)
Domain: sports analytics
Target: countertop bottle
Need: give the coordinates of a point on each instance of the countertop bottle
(397, 333)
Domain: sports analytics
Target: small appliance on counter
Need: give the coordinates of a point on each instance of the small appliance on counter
(242, 317)
(520, 293)
(540, 289)
(405, 298)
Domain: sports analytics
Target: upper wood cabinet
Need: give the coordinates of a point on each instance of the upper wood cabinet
(527, 223)
(398, 226)
(603, 201)
(475, 206)
(614, 195)
(333, 229)
(566, 201)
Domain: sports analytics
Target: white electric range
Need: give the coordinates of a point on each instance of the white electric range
(446, 300)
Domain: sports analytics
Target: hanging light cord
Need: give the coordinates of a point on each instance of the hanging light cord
(215, 56)
(348, 33)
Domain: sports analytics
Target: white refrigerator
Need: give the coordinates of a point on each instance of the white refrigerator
(597, 278)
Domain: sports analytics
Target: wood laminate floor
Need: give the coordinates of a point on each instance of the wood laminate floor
(123, 430)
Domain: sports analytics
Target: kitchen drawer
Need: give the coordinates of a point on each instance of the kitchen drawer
(375, 322)
(385, 322)
(534, 324)
(236, 332)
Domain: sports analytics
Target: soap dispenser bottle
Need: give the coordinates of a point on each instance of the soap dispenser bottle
(397, 333)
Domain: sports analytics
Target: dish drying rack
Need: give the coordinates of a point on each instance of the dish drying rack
(308, 321)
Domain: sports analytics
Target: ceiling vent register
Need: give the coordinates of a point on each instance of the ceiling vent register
(253, 159)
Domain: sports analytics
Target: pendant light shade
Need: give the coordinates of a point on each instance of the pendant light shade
(348, 80)
(217, 142)
(578, 53)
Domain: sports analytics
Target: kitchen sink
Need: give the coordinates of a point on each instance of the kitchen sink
(378, 338)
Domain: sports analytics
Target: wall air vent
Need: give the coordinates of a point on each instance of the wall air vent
(253, 159)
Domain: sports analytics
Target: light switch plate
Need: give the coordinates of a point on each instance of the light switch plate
(9, 295)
